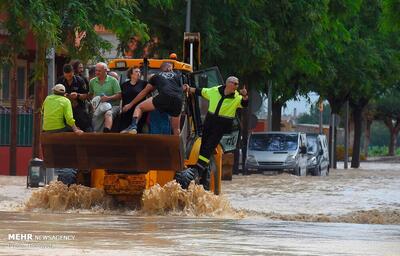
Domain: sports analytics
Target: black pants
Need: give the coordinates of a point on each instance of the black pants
(82, 118)
(213, 131)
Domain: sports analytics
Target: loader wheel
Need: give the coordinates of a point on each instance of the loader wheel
(67, 176)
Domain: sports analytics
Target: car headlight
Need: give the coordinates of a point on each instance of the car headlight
(290, 158)
(251, 159)
(313, 160)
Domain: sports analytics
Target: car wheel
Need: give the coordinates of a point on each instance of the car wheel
(297, 171)
(317, 171)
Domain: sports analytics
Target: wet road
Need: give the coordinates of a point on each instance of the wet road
(328, 217)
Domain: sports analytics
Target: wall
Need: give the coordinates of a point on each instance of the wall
(24, 155)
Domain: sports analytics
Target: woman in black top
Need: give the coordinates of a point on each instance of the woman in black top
(130, 89)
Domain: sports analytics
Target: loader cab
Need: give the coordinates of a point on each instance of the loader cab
(147, 67)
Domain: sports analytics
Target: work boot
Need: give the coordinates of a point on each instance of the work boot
(192, 173)
(205, 178)
(186, 176)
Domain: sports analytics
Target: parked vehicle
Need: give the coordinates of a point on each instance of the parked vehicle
(277, 151)
(318, 155)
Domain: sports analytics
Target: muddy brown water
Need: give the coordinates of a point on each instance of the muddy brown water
(351, 212)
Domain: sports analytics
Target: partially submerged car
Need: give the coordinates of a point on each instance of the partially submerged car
(277, 151)
(318, 155)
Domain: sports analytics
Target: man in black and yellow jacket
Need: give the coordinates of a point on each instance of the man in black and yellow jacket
(223, 103)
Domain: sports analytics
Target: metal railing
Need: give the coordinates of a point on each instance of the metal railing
(24, 127)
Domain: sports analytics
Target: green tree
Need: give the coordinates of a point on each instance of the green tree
(56, 24)
(293, 25)
(376, 65)
(313, 116)
(330, 52)
(390, 20)
(388, 110)
(259, 41)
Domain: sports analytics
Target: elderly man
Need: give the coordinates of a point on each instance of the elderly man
(107, 87)
(223, 103)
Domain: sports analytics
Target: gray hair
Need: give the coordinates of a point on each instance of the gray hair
(104, 65)
(232, 79)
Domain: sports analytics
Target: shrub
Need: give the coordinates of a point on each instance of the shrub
(340, 153)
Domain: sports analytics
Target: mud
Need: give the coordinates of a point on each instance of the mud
(171, 199)
(59, 197)
(388, 217)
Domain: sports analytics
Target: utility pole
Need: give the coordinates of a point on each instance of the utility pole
(51, 81)
(13, 117)
(346, 137)
(188, 12)
(269, 105)
(187, 29)
(321, 110)
(333, 140)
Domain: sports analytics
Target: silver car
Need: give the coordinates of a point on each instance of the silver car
(278, 151)
(318, 155)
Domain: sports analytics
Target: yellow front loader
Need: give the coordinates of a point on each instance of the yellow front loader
(124, 165)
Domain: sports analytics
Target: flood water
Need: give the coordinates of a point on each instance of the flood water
(350, 212)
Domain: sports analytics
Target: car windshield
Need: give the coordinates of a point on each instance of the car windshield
(273, 142)
(311, 144)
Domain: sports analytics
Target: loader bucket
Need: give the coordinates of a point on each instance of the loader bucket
(113, 151)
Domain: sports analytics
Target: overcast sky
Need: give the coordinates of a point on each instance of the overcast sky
(301, 105)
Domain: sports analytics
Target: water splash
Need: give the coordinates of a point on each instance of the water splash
(171, 199)
(59, 197)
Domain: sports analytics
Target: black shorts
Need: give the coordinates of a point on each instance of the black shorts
(168, 104)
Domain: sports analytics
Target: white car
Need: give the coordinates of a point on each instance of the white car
(277, 151)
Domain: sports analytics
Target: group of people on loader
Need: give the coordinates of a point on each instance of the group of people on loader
(67, 109)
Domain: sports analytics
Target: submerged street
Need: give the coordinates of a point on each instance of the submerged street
(350, 212)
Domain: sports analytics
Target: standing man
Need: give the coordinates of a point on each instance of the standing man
(169, 99)
(223, 103)
(107, 87)
(76, 91)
